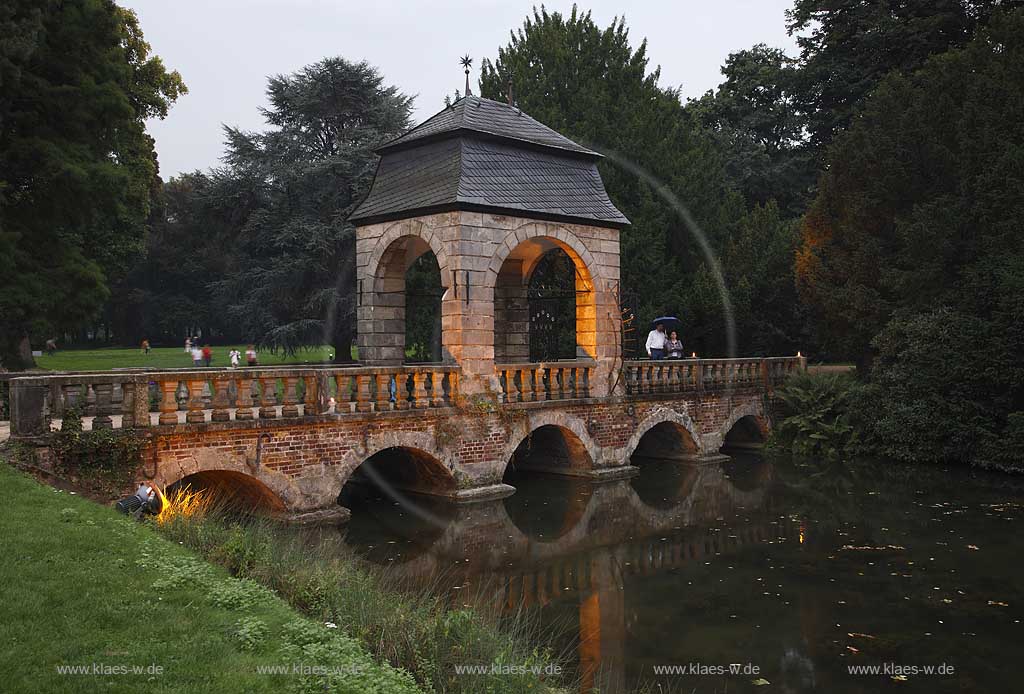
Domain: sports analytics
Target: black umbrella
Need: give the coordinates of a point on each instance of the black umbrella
(668, 321)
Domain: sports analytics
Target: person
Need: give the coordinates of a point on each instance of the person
(674, 346)
(197, 355)
(656, 342)
(207, 355)
(234, 355)
(51, 345)
(250, 356)
(145, 346)
(188, 345)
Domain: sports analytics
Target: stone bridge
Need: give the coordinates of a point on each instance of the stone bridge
(487, 195)
(290, 438)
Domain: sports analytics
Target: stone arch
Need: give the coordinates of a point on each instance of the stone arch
(236, 470)
(659, 417)
(570, 425)
(752, 408)
(510, 268)
(420, 444)
(414, 228)
(382, 312)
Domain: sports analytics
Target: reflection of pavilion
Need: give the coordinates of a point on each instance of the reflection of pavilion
(608, 534)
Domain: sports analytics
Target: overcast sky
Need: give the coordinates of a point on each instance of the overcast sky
(225, 49)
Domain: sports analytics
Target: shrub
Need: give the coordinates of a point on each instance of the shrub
(815, 416)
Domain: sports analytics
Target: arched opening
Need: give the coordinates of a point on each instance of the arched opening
(397, 497)
(550, 448)
(745, 435)
(664, 484)
(231, 491)
(544, 304)
(400, 315)
(423, 293)
(547, 507)
(664, 441)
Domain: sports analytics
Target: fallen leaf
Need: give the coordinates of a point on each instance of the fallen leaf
(760, 681)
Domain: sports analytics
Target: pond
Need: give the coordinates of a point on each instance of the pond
(742, 576)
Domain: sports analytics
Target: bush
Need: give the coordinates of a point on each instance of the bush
(815, 417)
(107, 458)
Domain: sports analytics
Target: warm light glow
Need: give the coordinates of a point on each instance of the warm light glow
(182, 503)
(693, 355)
(798, 354)
(802, 528)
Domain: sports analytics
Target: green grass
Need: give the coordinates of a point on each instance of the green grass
(84, 585)
(417, 631)
(164, 358)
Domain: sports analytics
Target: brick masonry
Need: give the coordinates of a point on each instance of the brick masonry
(306, 461)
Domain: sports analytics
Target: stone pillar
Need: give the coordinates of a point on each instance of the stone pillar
(27, 410)
(511, 315)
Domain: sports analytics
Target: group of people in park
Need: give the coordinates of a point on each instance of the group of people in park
(662, 346)
(203, 356)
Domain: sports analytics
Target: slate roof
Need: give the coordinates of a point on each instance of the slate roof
(484, 155)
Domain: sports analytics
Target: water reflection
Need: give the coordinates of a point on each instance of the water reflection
(795, 572)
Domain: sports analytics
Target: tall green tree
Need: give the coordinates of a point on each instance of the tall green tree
(78, 169)
(912, 250)
(754, 113)
(848, 46)
(593, 85)
(290, 280)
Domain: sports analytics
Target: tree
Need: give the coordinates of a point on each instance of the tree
(912, 250)
(592, 85)
(755, 115)
(848, 46)
(78, 167)
(290, 282)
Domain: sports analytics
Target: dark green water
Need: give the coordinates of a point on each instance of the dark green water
(739, 566)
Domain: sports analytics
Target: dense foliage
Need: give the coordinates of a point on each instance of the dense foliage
(77, 168)
(912, 249)
(663, 165)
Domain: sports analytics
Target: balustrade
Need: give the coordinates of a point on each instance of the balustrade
(677, 376)
(543, 381)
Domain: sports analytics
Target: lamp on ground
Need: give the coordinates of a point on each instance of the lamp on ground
(144, 500)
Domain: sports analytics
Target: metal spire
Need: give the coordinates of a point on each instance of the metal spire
(466, 62)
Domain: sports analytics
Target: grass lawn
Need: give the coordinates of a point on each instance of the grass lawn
(86, 587)
(163, 358)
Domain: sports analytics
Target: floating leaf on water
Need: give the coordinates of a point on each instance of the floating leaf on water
(760, 682)
(974, 547)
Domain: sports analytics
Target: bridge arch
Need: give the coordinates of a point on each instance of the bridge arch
(406, 460)
(234, 479)
(510, 270)
(673, 429)
(746, 426)
(564, 432)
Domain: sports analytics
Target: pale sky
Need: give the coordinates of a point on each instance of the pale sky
(225, 49)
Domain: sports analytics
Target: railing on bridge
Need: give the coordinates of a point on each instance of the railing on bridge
(133, 399)
(541, 381)
(678, 376)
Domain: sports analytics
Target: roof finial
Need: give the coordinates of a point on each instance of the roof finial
(466, 62)
(510, 91)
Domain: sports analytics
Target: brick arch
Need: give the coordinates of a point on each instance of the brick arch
(288, 493)
(418, 441)
(749, 408)
(661, 416)
(561, 420)
(415, 228)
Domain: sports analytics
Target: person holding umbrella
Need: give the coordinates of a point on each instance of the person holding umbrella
(656, 342)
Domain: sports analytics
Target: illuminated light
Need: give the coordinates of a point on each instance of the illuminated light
(693, 355)
(798, 354)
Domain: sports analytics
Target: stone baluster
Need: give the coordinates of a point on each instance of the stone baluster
(244, 411)
(453, 388)
(311, 398)
(563, 389)
(221, 401)
(527, 386)
(402, 391)
(268, 397)
(195, 402)
(72, 403)
(419, 391)
(168, 401)
(102, 419)
(342, 402)
(291, 397)
(128, 391)
(364, 400)
(436, 389)
(574, 374)
(513, 393)
(383, 395)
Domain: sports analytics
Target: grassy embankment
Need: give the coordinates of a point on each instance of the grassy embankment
(84, 586)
